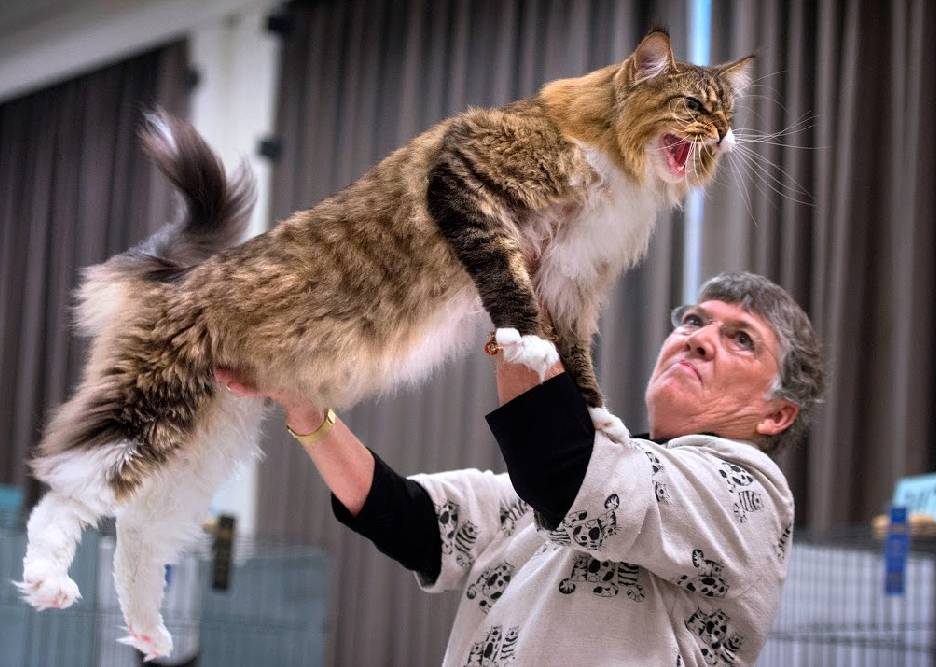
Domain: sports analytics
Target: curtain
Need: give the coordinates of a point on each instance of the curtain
(75, 190)
(842, 216)
(358, 80)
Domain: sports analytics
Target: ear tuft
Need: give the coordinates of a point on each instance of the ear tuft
(738, 74)
(653, 56)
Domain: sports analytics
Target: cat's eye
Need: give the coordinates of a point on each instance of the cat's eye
(694, 105)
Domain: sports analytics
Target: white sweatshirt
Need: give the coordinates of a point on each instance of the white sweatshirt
(672, 555)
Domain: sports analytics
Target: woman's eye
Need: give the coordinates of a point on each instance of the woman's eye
(745, 341)
(693, 104)
(691, 320)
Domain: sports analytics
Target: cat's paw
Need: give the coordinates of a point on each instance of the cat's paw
(44, 588)
(533, 352)
(608, 424)
(152, 643)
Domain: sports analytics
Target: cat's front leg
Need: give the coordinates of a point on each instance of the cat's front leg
(531, 351)
(575, 351)
(490, 253)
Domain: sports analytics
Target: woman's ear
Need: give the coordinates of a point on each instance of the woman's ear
(779, 420)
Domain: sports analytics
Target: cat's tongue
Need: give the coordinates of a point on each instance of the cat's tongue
(677, 152)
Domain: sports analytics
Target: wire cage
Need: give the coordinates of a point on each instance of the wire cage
(272, 613)
(834, 610)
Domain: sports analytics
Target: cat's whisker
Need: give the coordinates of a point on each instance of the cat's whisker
(766, 86)
(750, 137)
(753, 136)
(779, 186)
(754, 82)
(690, 161)
(800, 125)
(755, 180)
(793, 185)
(805, 117)
(737, 174)
(784, 145)
(749, 99)
(746, 194)
(698, 146)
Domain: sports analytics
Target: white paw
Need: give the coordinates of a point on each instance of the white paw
(154, 643)
(53, 591)
(608, 424)
(533, 352)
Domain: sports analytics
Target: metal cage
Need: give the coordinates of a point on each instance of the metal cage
(273, 612)
(834, 610)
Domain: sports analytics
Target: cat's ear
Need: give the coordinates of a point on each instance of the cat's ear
(738, 74)
(653, 56)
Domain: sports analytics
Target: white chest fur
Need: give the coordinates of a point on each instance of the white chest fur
(608, 232)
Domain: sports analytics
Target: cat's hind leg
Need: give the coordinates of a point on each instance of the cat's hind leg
(153, 528)
(54, 529)
(80, 494)
(165, 515)
(144, 547)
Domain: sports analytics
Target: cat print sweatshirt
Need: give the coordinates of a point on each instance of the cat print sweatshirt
(590, 551)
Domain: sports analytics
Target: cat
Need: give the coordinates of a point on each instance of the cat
(545, 200)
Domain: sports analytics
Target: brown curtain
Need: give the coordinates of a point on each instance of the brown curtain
(358, 80)
(75, 189)
(845, 223)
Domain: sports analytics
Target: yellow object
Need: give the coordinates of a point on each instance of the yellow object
(317, 434)
(920, 525)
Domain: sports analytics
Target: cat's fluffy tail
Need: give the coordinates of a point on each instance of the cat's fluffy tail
(215, 213)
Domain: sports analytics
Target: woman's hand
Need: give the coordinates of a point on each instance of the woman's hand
(342, 460)
(302, 415)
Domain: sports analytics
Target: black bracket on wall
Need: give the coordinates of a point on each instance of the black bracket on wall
(281, 22)
(271, 148)
(192, 78)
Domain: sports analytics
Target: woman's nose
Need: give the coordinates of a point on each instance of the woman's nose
(702, 342)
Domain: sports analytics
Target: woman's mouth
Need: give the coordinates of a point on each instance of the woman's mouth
(692, 369)
(677, 153)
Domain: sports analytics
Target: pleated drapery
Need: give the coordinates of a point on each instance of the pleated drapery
(360, 79)
(74, 189)
(839, 210)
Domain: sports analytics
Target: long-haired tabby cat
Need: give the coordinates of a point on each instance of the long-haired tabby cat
(544, 201)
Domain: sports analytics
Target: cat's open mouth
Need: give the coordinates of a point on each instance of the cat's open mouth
(677, 152)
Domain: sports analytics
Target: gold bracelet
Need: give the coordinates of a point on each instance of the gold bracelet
(317, 434)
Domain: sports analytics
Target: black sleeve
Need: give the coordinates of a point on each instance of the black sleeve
(546, 436)
(398, 517)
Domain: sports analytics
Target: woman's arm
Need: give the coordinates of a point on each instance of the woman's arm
(545, 435)
(368, 496)
(516, 379)
(345, 464)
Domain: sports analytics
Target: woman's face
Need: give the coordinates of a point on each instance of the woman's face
(715, 373)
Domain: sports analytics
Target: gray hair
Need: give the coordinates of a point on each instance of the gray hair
(801, 376)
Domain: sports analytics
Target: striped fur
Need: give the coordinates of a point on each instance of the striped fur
(541, 202)
(346, 299)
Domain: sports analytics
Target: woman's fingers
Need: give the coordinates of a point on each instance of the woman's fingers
(241, 389)
(229, 380)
